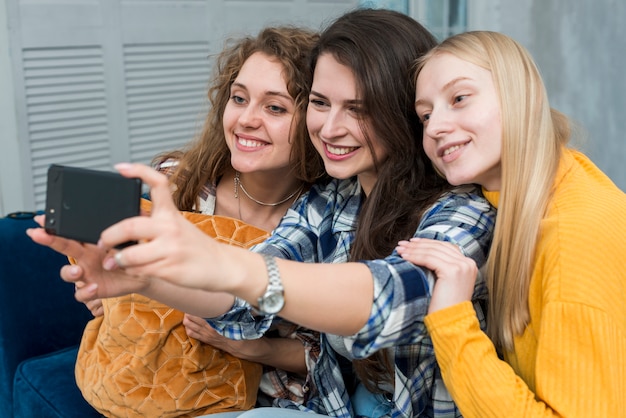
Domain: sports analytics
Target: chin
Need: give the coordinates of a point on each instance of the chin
(458, 181)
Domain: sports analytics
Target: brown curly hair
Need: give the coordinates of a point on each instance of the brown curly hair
(208, 157)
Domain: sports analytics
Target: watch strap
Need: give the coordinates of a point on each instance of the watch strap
(274, 287)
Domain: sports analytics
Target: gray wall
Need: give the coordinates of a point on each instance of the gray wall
(91, 83)
(580, 48)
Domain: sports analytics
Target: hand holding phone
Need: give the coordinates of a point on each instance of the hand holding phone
(81, 203)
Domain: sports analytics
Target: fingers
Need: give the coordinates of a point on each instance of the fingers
(192, 320)
(40, 220)
(198, 328)
(139, 228)
(443, 258)
(61, 245)
(95, 307)
(142, 228)
(191, 328)
(423, 245)
(141, 259)
(429, 253)
(74, 274)
(160, 192)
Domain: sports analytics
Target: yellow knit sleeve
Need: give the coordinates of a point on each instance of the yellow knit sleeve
(581, 361)
(575, 376)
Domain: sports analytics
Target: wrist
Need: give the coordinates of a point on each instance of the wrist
(273, 299)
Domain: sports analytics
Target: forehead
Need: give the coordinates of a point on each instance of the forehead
(327, 67)
(261, 68)
(444, 69)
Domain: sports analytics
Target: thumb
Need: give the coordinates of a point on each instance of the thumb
(158, 183)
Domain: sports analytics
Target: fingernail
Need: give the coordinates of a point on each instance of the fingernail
(92, 288)
(122, 166)
(74, 270)
(109, 263)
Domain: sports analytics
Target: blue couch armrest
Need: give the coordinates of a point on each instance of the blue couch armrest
(38, 312)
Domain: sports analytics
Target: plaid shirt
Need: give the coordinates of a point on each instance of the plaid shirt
(320, 228)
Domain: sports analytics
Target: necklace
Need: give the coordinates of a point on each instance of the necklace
(239, 185)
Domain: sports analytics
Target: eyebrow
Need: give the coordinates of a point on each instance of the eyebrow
(267, 92)
(349, 102)
(446, 86)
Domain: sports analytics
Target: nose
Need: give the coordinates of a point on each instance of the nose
(438, 125)
(334, 125)
(250, 117)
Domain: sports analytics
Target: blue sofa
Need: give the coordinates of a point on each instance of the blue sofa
(40, 328)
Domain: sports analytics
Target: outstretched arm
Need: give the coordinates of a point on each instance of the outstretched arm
(174, 250)
(95, 282)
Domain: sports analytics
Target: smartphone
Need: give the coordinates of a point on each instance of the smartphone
(81, 203)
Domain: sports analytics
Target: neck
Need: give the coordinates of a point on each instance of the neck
(240, 190)
(259, 210)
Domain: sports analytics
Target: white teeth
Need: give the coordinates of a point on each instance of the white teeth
(339, 150)
(249, 143)
(452, 149)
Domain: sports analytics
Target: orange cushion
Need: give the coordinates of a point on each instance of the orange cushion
(137, 360)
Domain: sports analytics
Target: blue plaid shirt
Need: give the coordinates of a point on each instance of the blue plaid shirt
(321, 228)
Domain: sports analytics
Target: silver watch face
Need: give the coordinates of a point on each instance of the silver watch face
(272, 303)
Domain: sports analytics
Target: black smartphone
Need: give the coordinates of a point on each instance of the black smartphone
(81, 203)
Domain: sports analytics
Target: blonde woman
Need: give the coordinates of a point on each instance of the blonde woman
(556, 339)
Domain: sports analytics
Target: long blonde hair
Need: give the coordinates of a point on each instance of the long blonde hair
(533, 136)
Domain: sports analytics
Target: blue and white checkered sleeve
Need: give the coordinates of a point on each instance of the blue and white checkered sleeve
(240, 323)
(402, 290)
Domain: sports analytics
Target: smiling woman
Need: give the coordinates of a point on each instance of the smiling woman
(335, 119)
(138, 348)
(556, 342)
(462, 117)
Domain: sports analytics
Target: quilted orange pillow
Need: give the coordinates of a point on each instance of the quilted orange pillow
(137, 360)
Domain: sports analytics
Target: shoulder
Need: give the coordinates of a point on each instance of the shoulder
(586, 206)
(468, 195)
(582, 189)
(334, 204)
(336, 188)
(581, 251)
(335, 195)
(463, 204)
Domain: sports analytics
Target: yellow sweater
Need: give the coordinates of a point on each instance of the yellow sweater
(571, 359)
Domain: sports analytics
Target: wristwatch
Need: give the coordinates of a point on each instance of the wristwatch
(273, 299)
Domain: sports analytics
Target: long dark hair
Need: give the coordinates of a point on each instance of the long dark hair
(380, 47)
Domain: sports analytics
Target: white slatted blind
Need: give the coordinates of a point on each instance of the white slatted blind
(166, 88)
(66, 110)
(102, 81)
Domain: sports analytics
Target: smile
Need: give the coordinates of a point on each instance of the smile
(453, 148)
(340, 150)
(249, 143)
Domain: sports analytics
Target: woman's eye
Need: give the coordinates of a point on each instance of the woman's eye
(237, 99)
(316, 102)
(276, 109)
(459, 98)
